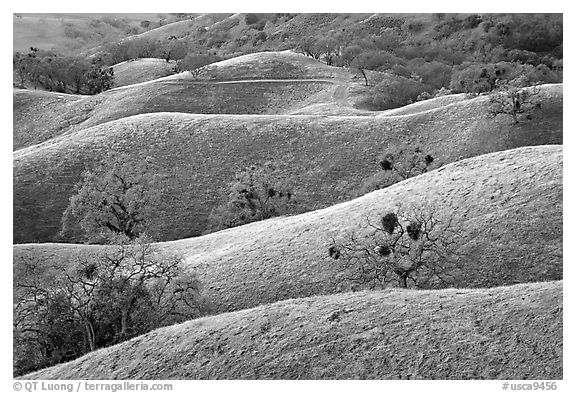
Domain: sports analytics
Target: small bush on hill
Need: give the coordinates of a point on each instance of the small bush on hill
(197, 64)
(397, 164)
(395, 93)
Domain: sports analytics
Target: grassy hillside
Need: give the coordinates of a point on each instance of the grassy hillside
(507, 205)
(183, 28)
(277, 65)
(141, 70)
(325, 157)
(260, 91)
(392, 334)
(32, 109)
(73, 32)
(261, 83)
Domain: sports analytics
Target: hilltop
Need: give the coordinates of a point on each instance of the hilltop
(277, 65)
(271, 83)
(141, 70)
(393, 334)
(491, 199)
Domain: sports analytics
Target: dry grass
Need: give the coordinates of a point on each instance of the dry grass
(141, 70)
(47, 31)
(325, 157)
(507, 205)
(393, 334)
(251, 86)
(277, 65)
(33, 108)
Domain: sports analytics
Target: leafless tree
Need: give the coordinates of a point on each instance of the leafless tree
(410, 247)
(514, 97)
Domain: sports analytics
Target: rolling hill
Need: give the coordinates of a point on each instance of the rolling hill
(141, 70)
(392, 334)
(278, 305)
(199, 154)
(32, 108)
(252, 86)
(506, 205)
(72, 32)
(272, 83)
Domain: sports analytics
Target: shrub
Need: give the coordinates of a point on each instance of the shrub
(251, 19)
(256, 194)
(398, 92)
(397, 164)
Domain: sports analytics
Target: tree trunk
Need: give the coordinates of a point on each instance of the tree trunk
(124, 324)
(90, 335)
(402, 281)
(364, 75)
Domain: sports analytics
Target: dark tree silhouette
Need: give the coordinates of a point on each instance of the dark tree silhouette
(409, 248)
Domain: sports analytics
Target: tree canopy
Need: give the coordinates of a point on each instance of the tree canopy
(116, 197)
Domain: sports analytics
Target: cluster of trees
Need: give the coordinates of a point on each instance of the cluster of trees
(140, 47)
(402, 60)
(463, 54)
(181, 52)
(80, 75)
(129, 287)
(64, 74)
(117, 292)
(479, 78)
(61, 313)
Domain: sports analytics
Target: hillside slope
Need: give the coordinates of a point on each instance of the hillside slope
(251, 86)
(491, 199)
(141, 70)
(326, 158)
(32, 108)
(395, 334)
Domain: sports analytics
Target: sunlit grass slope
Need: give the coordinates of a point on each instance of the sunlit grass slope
(507, 207)
(326, 158)
(510, 333)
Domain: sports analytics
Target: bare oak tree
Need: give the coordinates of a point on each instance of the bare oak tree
(513, 98)
(411, 248)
